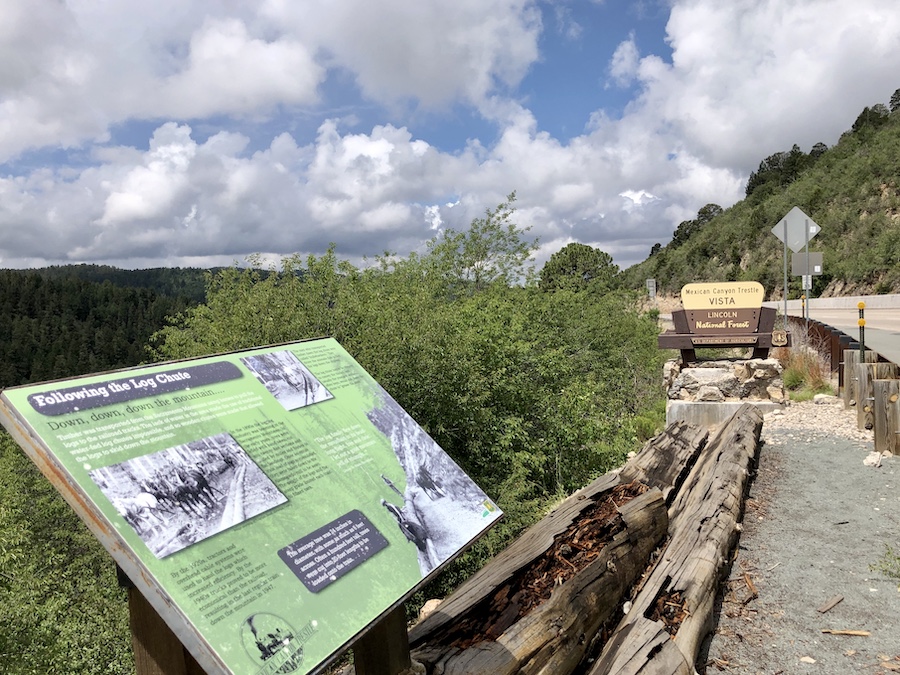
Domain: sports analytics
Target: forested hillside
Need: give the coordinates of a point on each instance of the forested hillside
(61, 608)
(851, 190)
(187, 282)
(59, 327)
(532, 388)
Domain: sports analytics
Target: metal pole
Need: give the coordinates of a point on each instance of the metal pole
(808, 275)
(785, 274)
(862, 332)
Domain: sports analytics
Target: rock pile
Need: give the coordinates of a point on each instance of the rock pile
(725, 380)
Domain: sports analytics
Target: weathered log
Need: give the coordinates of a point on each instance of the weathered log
(665, 460)
(677, 598)
(866, 373)
(552, 637)
(483, 627)
(887, 415)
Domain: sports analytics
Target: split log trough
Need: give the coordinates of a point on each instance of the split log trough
(657, 533)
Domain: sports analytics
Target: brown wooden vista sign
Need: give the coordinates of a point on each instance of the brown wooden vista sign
(723, 314)
(723, 307)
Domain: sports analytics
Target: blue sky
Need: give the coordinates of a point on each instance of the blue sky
(180, 133)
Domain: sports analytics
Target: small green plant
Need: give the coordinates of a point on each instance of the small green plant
(889, 564)
(805, 371)
(793, 378)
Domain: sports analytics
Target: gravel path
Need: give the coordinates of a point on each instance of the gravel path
(817, 517)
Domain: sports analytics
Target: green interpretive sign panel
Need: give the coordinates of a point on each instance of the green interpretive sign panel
(271, 504)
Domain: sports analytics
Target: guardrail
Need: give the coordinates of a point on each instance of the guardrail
(866, 380)
(888, 301)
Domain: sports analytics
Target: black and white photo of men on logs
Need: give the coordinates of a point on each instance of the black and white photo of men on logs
(288, 380)
(442, 509)
(182, 495)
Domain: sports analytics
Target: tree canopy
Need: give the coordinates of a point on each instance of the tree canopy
(578, 266)
(532, 393)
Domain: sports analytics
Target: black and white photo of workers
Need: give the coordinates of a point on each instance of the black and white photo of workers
(184, 494)
(287, 379)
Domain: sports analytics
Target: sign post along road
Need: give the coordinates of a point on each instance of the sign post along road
(794, 231)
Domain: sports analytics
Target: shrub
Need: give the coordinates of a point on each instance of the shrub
(889, 564)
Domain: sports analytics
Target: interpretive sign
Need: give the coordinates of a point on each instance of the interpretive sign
(723, 314)
(270, 504)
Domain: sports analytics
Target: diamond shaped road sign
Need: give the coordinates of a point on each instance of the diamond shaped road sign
(792, 229)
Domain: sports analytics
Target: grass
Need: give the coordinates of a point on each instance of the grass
(806, 372)
(889, 564)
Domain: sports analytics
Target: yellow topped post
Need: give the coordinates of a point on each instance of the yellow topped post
(862, 331)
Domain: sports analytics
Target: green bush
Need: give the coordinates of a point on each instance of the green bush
(61, 608)
(793, 378)
(532, 392)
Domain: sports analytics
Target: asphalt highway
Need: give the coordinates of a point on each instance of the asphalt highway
(882, 329)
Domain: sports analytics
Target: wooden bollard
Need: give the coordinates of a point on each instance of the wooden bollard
(851, 360)
(866, 374)
(887, 416)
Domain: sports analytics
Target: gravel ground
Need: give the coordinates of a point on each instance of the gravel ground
(816, 518)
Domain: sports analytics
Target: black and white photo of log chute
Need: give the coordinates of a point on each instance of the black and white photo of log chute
(287, 379)
(441, 509)
(643, 604)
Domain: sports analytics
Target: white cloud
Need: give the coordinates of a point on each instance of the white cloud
(745, 79)
(624, 65)
(750, 78)
(228, 71)
(432, 52)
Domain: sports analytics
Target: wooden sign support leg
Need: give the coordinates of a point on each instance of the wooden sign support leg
(384, 650)
(157, 651)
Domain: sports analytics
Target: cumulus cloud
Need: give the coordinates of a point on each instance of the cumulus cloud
(742, 80)
(624, 64)
(434, 53)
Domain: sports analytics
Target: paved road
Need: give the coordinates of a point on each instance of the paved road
(882, 314)
(882, 333)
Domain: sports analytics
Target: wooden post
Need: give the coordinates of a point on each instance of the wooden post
(851, 360)
(384, 649)
(866, 373)
(844, 342)
(834, 346)
(157, 651)
(887, 415)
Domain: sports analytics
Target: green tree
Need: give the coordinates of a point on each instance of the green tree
(871, 118)
(818, 150)
(707, 213)
(895, 101)
(532, 393)
(578, 266)
(492, 250)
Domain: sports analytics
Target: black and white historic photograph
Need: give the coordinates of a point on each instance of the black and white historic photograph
(287, 379)
(441, 509)
(179, 496)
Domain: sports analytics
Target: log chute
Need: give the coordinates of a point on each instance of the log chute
(657, 532)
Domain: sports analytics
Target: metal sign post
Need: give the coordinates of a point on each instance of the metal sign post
(795, 230)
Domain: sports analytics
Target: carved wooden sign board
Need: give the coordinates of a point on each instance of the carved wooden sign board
(723, 315)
